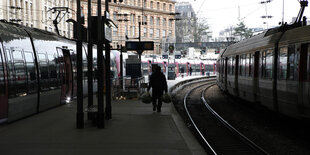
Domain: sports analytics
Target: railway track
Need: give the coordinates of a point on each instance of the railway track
(217, 135)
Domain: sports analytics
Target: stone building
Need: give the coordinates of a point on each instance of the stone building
(37, 13)
(155, 16)
(186, 26)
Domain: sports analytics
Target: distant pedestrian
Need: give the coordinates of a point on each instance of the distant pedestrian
(159, 85)
(190, 71)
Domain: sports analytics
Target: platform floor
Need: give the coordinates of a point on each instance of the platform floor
(134, 129)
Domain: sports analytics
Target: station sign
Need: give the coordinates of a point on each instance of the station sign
(108, 32)
(134, 45)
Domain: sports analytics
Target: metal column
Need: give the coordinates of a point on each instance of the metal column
(107, 66)
(89, 59)
(100, 68)
(80, 113)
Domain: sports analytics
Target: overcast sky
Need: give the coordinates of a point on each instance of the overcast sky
(222, 14)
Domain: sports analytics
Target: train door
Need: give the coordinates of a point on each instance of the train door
(255, 76)
(3, 90)
(236, 89)
(65, 73)
(225, 73)
(304, 86)
(308, 75)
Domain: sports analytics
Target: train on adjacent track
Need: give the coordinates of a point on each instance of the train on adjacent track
(38, 70)
(181, 65)
(271, 68)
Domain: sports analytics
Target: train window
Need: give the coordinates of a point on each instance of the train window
(31, 72)
(84, 64)
(9, 68)
(229, 65)
(283, 63)
(2, 84)
(252, 67)
(242, 65)
(43, 66)
(250, 64)
(30, 66)
(52, 66)
(20, 73)
(247, 64)
(267, 59)
(197, 68)
(291, 62)
(233, 63)
(308, 60)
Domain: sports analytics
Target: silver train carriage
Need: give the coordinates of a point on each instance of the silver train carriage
(272, 68)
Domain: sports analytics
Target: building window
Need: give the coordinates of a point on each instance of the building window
(132, 20)
(132, 30)
(170, 7)
(152, 21)
(157, 21)
(114, 31)
(158, 5)
(157, 33)
(144, 5)
(126, 31)
(144, 32)
(151, 5)
(164, 22)
(114, 16)
(151, 32)
(170, 33)
(164, 6)
(164, 33)
(139, 18)
(170, 23)
(144, 18)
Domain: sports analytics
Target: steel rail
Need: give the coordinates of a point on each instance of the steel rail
(231, 128)
(192, 121)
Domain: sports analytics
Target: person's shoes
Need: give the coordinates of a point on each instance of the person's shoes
(154, 108)
(158, 110)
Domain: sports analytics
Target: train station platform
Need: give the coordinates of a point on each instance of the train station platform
(134, 129)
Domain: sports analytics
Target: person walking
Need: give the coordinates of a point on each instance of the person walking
(190, 71)
(158, 84)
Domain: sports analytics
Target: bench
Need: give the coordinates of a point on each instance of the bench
(92, 113)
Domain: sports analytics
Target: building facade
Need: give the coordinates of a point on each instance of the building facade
(186, 26)
(155, 16)
(37, 14)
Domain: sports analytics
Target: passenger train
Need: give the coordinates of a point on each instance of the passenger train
(271, 68)
(182, 65)
(38, 70)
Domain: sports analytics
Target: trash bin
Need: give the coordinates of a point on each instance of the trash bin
(171, 72)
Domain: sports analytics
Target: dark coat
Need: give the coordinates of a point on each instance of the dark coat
(158, 83)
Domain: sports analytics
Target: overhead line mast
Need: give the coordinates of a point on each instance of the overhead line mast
(266, 16)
